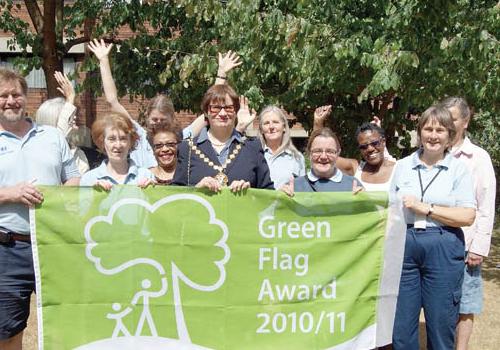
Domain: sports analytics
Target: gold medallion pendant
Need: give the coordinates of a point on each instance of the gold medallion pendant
(222, 179)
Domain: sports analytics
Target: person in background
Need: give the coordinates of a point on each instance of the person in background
(376, 169)
(61, 113)
(160, 109)
(164, 140)
(30, 155)
(283, 158)
(478, 235)
(436, 193)
(220, 156)
(115, 135)
(323, 149)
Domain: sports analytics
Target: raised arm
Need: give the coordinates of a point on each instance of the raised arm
(227, 62)
(66, 119)
(245, 116)
(320, 116)
(101, 50)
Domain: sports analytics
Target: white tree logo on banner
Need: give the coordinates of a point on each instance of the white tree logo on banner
(123, 338)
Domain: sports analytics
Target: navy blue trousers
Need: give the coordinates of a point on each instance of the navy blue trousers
(431, 279)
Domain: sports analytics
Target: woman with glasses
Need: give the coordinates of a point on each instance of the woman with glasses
(220, 156)
(284, 160)
(164, 139)
(375, 170)
(323, 149)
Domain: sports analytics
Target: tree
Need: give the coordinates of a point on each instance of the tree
(149, 236)
(365, 57)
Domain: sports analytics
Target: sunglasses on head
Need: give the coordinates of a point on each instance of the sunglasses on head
(375, 143)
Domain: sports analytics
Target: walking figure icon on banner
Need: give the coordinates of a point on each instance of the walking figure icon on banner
(118, 317)
(146, 313)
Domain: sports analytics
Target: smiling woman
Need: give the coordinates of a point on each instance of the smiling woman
(220, 156)
(164, 139)
(115, 136)
(436, 193)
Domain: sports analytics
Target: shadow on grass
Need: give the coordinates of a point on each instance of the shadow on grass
(491, 265)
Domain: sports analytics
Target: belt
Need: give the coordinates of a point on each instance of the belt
(7, 236)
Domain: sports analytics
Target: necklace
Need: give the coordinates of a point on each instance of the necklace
(210, 137)
(221, 177)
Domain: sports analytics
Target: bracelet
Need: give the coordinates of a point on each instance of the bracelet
(431, 210)
(223, 78)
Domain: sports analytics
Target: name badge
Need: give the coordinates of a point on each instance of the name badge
(420, 222)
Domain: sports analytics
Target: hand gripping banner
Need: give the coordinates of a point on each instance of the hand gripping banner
(178, 268)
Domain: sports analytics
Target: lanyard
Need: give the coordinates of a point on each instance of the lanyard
(422, 189)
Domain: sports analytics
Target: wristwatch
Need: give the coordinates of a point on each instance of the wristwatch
(431, 210)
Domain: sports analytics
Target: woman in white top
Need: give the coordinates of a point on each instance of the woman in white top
(283, 159)
(375, 170)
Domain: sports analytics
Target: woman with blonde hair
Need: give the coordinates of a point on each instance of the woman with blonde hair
(283, 159)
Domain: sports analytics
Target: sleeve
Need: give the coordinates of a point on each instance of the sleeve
(68, 169)
(485, 214)
(65, 117)
(88, 179)
(181, 169)
(393, 187)
(263, 175)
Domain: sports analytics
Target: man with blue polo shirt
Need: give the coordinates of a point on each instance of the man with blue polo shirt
(29, 155)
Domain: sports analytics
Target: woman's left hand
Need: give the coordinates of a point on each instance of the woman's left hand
(412, 203)
(239, 185)
(245, 117)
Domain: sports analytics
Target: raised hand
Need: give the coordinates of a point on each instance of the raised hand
(245, 117)
(321, 114)
(100, 48)
(227, 62)
(376, 121)
(65, 87)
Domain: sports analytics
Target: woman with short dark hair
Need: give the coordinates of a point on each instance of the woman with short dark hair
(220, 156)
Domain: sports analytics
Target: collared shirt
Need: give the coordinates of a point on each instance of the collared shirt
(283, 166)
(42, 155)
(452, 187)
(134, 175)
(224, 153)
(143, 154)
(478, 161)
(339, 182)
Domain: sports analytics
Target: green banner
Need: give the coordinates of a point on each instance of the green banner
(177, 268)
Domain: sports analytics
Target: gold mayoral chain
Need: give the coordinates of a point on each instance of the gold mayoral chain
(221, 177)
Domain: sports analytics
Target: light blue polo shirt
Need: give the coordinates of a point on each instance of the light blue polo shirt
(451, 188)
(42, 154)
(143, 154)
(283, 166)
(134, 175)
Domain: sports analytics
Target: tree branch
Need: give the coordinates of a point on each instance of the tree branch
(70, 43)
(35, 15)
